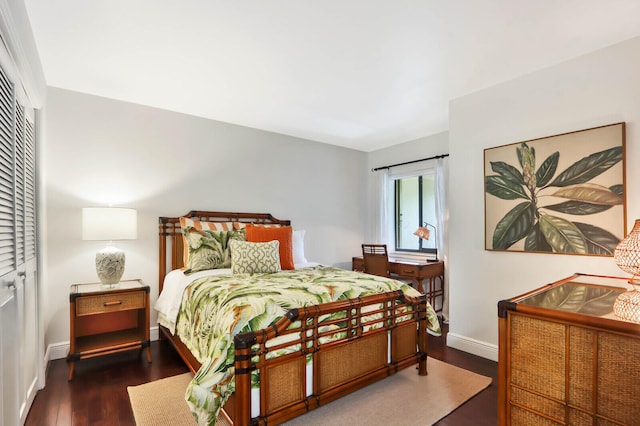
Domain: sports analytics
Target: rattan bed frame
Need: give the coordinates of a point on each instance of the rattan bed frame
(339, 367)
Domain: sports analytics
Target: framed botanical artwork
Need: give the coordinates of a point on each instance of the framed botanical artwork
(557, 194)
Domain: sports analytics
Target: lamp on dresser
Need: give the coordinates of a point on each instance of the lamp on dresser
(109, 224)
(627, 257)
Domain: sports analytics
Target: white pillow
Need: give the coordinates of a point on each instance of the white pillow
(298, 247)
(254, 258)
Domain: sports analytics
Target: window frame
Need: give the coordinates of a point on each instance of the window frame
(396, 181)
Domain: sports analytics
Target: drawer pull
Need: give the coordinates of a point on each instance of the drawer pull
(116, 302)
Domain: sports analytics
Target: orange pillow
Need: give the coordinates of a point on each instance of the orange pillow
(284, 234)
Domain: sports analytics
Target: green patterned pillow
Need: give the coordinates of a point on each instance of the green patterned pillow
(209, 249)
(254, 258)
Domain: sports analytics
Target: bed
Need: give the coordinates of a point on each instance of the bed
(279, 366)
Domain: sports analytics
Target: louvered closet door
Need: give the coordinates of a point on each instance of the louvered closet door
(27, 296)
(18, 293)
(30, 311)
(8, 274)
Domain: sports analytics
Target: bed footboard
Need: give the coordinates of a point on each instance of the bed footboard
(317, 354)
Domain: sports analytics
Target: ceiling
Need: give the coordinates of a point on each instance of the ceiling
(363, 74)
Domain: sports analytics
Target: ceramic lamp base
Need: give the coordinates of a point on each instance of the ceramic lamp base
(110, 265)
(627, 306)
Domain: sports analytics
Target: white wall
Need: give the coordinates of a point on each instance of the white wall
(597, 89)
(101, 151)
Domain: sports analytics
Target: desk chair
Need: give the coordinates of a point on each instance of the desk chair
(376, 259)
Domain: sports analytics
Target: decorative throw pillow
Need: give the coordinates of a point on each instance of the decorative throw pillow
(254, 258)
(283, 234)
(242, 225)
(187, 224)
(209, 249)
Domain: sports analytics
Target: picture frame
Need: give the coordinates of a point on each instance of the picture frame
(562, 194)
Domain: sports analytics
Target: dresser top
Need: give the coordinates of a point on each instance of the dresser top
(587, 296)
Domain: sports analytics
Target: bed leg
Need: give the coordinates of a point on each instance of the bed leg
(422, 366)
(422, 347)
(242, 399)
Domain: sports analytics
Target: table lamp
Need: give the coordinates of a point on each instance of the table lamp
(424, 233)
(109, 224)
(627, 257)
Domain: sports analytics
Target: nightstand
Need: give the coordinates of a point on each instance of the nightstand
(105, 320)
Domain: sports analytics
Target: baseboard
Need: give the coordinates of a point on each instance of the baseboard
(31, 395)
(56, 351)
(154, 333)
(472, 346)
(60, 350)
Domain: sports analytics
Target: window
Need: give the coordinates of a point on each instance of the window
(414, 205)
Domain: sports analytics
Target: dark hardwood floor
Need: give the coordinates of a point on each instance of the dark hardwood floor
(98, 393)
(482, 409)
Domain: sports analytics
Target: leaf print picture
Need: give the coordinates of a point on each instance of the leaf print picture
(559, 194)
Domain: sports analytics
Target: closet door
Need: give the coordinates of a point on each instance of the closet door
(25, 231)
(18, 283)
(8, 273)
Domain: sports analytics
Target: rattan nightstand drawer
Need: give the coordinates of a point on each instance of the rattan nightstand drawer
(89, 305)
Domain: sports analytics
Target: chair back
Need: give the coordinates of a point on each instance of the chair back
(376, 259)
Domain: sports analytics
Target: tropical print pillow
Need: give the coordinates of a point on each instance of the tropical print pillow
(209, 249)
(255, 258)
(188, 224)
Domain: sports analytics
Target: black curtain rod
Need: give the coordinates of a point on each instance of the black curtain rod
(435, 157)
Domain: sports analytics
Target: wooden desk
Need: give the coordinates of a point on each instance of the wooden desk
(418, 272)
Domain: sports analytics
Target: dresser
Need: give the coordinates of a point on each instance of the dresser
(565, 358)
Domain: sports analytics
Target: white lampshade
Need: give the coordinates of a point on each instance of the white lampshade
(109, 224)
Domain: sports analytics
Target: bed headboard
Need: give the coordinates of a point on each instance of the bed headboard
(170, 234)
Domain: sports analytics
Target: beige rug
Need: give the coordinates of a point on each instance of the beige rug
(402, 399)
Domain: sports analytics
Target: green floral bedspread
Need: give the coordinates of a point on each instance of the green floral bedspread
(216, 308)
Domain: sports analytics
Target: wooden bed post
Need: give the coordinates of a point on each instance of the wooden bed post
(242, 398)
(162, 267)
(422, 337)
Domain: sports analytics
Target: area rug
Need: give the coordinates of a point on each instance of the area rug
(402, 399)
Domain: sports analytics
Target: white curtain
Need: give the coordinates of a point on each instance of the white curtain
(384, 222)
(442, 216)
(381, 222)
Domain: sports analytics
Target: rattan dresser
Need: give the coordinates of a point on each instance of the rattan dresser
(565, 359)
(107, 319)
